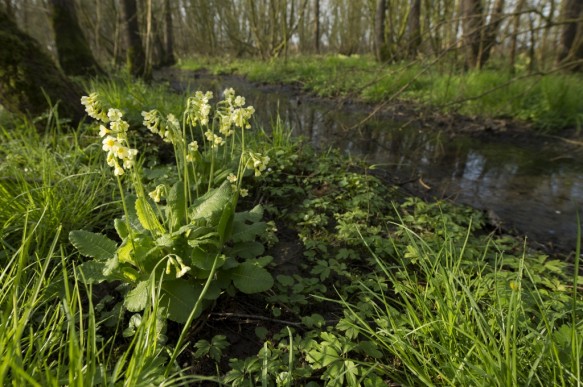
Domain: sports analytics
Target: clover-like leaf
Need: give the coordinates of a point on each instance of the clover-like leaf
(323, 356)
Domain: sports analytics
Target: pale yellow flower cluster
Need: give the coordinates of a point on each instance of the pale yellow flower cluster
(94, 108)
(176, 262)
(213, 139)
(192, 151)
(232, 178)
(235, 113)
(168, 128)
(198, 108)
(152, 120)
(158, 193)
(116, 146)
(119, 155)
(257, 162)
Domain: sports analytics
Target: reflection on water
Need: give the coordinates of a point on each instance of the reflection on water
(533, 187)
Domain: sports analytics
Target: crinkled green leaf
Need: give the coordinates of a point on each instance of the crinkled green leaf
(210, 205)
(225, 222)
(166, 240)
(254, 215)
(92, 272)
(247, 250)
(203, 258)
(243, 232)
(250, 278)
(147, 216)
(203, 240)
(132, 215)
(215, 289)
(263, 261)
(180, 296)
(137, 298)
(176, 206)
(121, 227)
(93, 245)
(110, 266)
(124, 253)
(146, 252)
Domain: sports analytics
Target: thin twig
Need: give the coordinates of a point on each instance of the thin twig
(264, 318)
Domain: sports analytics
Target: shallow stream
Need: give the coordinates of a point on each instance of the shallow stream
(533, 185)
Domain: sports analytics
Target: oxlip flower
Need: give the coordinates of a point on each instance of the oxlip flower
(103, 131)
(109, 143)
(114, 114)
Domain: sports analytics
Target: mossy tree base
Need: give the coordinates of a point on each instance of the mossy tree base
(28, 77)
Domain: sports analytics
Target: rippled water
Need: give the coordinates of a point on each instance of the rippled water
(535, 187)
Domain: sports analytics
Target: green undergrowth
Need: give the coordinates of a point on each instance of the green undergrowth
(49, 180)
(551, 102)
(370, 287)
(401, 290)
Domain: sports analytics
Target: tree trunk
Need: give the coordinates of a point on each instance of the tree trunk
(414, 28)
(472, 24)
(515, 30)
(169, 59)
(490, 33)
(148, 37)
(258, 35)
(317, 26)
(571, 43)
(28, 77)
(381, 47)
(9, 8)
(75, 56)
(136, 58)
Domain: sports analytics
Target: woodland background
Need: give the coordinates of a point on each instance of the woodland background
(536, 34)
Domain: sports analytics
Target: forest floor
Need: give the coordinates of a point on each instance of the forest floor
(238, 320)
(363, 283)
